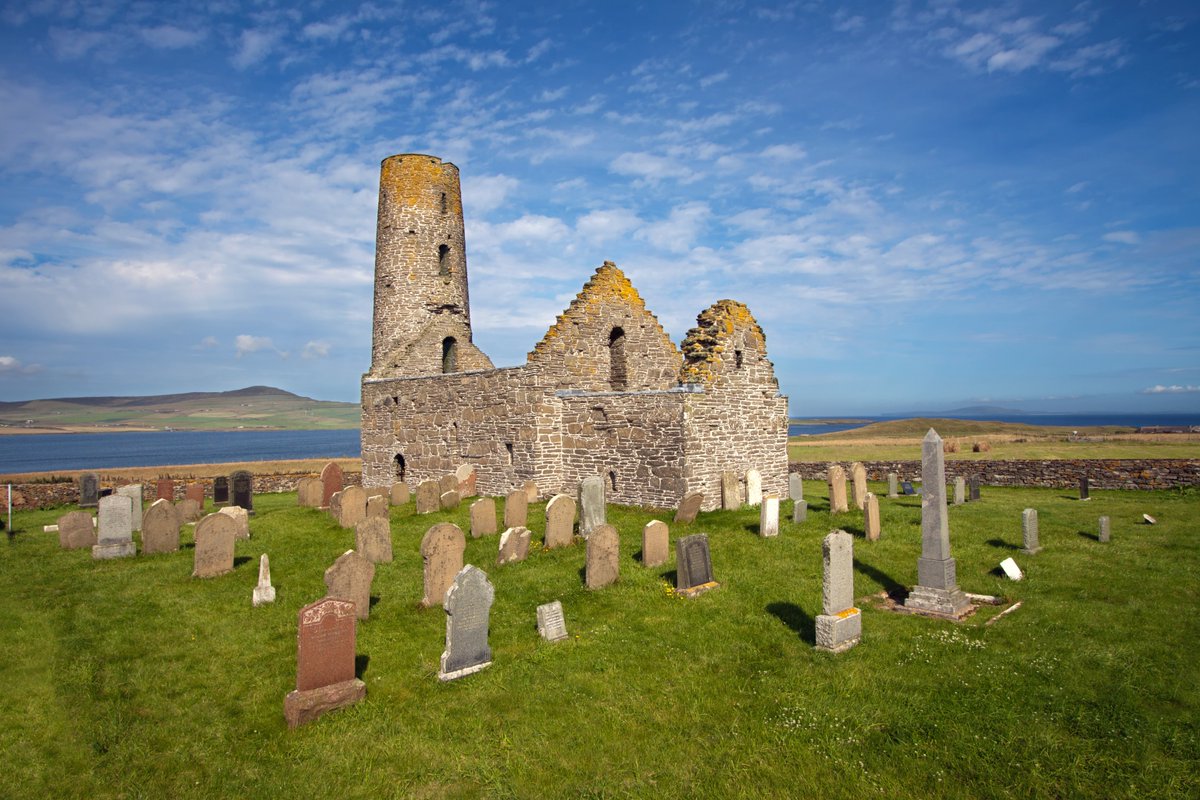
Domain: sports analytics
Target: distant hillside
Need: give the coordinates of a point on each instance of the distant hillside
(259, 407)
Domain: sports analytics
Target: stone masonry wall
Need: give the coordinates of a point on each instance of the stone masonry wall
(1101, 473)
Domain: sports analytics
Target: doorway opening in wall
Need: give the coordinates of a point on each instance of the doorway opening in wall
(398, 467)
(617, 375)
(449, 354)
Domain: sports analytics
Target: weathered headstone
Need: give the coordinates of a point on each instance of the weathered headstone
(324, 662)
(531, 491)
(353, 506)
(1029, 531)
(349, 578)
(800, 511)
(592, 509)
(89, 490)
(213, 554)
(134, 492)
(189, 510)
(195, 491)
(837, 490)
(241, 517)
(768, 516)
(310, 493)
(550, 623)
(164, 489)
(560, 521)
(115, 531)
(468, 607)
(332, 481)
(907, 488)
(656, 543)
(448, 483)
(448, 500)
(754, 490)
(937, 589)
(514, 546)
(731, 491)
(960, 490)
(220, 490)
(76, 530)
(516, 509)
(1083, 489)
(693, 565)
(466, 480)
(973, 488)
(442, 553)
(429, 498)
(264, 592)
(243, 490)
(602, 562)
(871, 526)
(893, 485)
(160, 527)
(689, 507)
(377, 506)
(399, 494)
(1105, 530)
(840, 626)
(373, 538)
(858, 476)
(795, 487)
(483, 517)
(1011, 570)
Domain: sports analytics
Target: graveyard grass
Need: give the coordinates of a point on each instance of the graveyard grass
(128, 678)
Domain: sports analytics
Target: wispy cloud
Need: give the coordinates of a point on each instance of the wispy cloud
(1173, 389)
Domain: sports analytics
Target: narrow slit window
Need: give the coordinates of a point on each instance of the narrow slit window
(449, 354)
(508, 451)
(617, 371)
(443, 260)
(737, 358)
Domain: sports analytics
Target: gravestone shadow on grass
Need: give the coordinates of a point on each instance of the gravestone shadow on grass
(374, 601)
(796, 618)
(1094, 537)
(890, 585)
(1003, 545)
(997, 572)
(361, 661)
(855, 531)
(670, 576)
(239, 560)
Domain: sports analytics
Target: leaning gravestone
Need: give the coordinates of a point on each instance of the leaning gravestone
(1011, 570)
(399, 494)
(840, 626)
(160, 527)
(134, 492)
(592, 511)
(656, 543)
(550, 623)
(353, 506)
(1083, 489)
(937, 589)
(960, 490)
(516, 509)
(731, 491)
(429, 495)
(377, 506)
(483, 517)
(795, 487)
(837, 490)
(89, 490)
(754, 490)
(514, 546)
(241, 517)
(243, 490)
(768, 516)
(448, 483)
(324, 662)
(213, 555)
(310, 493)
(442, 553)
(220, 490)
(115, 531)
(448, 500)
(164, 489)
(264, 592)
(693, 565)
(466, 480)
(76, 530)
(602, 561)
(871, 518)
(800, 511)
(189, 510)
(1105, 530)
(349, 578)
(195, 491)
(468, 606)
(689, 507)
(373, 538)
(893, 485)
(858, 475)
(1029, 531)
(560, 521)
(332, 481)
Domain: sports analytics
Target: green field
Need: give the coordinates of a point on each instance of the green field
(130, 679)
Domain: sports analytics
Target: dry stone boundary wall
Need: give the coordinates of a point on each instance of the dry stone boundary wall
(1101, 473)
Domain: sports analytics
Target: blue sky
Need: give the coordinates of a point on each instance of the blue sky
(925, 204)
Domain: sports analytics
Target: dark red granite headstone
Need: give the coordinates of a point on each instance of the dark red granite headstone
(166, 490)
(331, 482)
(325, 644)
(195, 491)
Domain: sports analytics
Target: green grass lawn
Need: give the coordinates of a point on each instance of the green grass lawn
(130, 679)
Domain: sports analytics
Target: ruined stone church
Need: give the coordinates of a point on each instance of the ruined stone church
(605, 392)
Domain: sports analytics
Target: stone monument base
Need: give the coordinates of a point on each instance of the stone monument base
(123, 549)
(1029, 551)
(301, 707)
(460, 673)
(948, 603)
(263, 595)
(699, 589)
(837, 633)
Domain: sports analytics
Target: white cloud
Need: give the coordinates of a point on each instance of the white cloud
(1175, 389)
(170, 37)
(607, 224)
(207, 343)
(11, 366)
(651, 168)
(245, 344)
(784, 152)
(678, 232)
(254, 45)
(487, 192)
(315, 349)
(1123, 237)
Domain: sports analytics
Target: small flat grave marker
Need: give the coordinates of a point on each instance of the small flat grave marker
(550, 623)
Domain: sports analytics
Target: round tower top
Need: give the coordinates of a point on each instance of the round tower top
(420, 180)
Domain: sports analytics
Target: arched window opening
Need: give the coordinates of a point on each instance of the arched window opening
(617, 375)
(508, 448)
(443, 262)
(737, 358)
(449, 354)
(443, 202)
(612, 480)
(398, 465)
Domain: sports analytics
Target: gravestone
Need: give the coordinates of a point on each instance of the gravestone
(195, 491)
(531, 491)
(264, 592)
(907, 488)
(89, 490)
(592, 510)
(483, 517)
(840, 626)
(693, 565)
(937, 589)
(656, 543)
(377, 506)
(1083, 489)
(189, 510)
(858, 476)
(689, 507)
(324, 662)
(800, 511)
(560, 521)
(213, 554)
(448, 500)
(448, 483)
(871, 527)
(837, 490)
(893, 490)
(754, 490)
(731, 491)
(353, 507)
(242, 483)
(332, 482)
(1011, 570)
(768, 516)
(399, 494)
(134, 492)
(550, 623)
(429, 498)
(602, 561)
(160, 528)
(516, 509)
(973, 488)
(220, 490)
(115, 530)
(241, 517)
(514, 546)
(1105, 530)
(1029, 531)
(442, 553)
(960, 491)
(373, 538)
(468, 606)
(165, 490)
(310, 493)
(76, 530)
(795, 487)
(349, 578)
(466, 480)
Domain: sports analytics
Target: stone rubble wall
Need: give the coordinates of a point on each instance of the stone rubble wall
(1101, 473)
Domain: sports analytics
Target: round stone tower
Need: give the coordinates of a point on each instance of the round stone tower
(422, 321)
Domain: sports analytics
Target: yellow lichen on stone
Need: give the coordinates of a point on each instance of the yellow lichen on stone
(705, 344)
(420, 180)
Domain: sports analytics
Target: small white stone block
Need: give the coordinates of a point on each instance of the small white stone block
(1011, 569)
